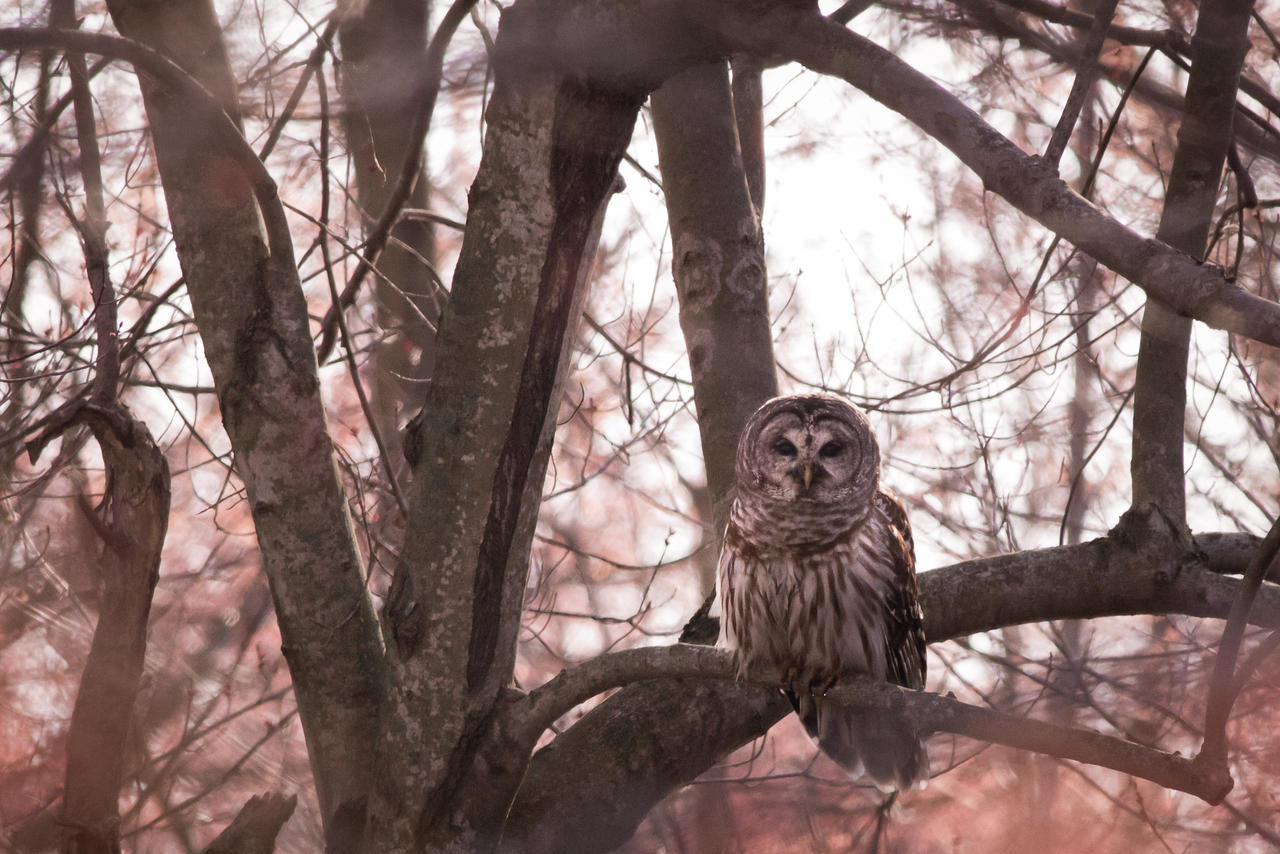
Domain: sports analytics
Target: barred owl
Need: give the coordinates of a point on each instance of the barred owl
(817, 579)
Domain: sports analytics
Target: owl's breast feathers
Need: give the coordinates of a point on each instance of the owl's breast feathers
(825, 609)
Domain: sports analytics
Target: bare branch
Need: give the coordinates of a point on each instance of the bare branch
(1175, 279)
(93, 232)
(135, 516)
(935, 713)
(929, 713)
(1223, 687)
(381, 232)
(717, 260)
(1083, 83)
(1135, 570)
(206, 106)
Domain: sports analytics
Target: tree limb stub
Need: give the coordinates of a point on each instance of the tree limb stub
(255, 827)
(252, 320)
(134, 518)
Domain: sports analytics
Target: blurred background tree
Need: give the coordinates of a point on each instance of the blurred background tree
(319, 457)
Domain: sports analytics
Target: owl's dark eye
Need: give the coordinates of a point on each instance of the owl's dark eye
(785, 448)
(831, 449)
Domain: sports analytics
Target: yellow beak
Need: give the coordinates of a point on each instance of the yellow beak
(808, 476)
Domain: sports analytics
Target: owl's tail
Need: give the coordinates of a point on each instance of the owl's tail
(883, 746)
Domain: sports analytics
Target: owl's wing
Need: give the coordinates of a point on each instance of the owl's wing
(904, 620)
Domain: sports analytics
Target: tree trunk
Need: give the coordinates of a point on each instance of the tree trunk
(252, 319)
(719, 269)
(551, 152)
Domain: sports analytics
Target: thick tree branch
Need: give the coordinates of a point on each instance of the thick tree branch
(590, 788)
(410, 167)
(935, 713)
(551, 150)
(538, 710)
(134, 518)
(1175, 279)
(253, 323)
(1086, 581)
(384, 48)
(929, 713)
(717, 261)
(1140, 569)
(644, 44)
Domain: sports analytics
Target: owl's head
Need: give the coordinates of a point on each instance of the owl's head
(811, 450)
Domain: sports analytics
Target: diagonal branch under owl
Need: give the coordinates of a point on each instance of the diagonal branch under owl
(527, 717)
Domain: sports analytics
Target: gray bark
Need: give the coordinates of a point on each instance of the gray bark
(588, 791)
(1160, 388)
(550, 159)
(718, 264)
(650, 42)
(445, 776)
(252, 319)
(135, 518)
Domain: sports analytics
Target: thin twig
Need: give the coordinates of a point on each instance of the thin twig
(1222, 692)
(21, 162)
(93, 231)
(344, 333)
(314, 60)
(1083, 82)
(381, 231)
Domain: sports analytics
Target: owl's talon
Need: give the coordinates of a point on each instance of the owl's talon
(788, 679)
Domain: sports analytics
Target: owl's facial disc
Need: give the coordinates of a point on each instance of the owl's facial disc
(798, 460)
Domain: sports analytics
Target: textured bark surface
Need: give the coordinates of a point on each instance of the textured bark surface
(1143, 567)
(253, 324)
(719, 269)
(640, 748)
(718, 263)
(550, 159)
(648, 43)
(1160, 389)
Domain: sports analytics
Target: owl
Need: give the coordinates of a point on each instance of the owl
(817, 579)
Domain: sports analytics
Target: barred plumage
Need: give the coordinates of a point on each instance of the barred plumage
(817, 578)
